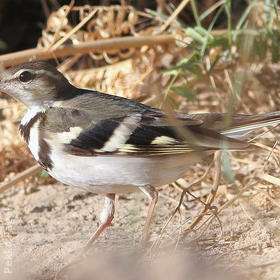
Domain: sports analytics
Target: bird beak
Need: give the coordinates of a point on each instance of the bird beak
(4, 81)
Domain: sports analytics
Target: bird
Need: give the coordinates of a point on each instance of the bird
(108, 144)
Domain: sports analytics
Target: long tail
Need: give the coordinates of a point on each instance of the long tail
(242, 125)
(237, 126)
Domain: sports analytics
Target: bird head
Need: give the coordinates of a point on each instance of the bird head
(33, 83)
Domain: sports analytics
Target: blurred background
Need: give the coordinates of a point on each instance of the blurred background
(224, 58)
(27, 18)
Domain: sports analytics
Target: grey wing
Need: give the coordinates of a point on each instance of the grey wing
(137, 134)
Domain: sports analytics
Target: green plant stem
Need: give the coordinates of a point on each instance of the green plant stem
(195, 13)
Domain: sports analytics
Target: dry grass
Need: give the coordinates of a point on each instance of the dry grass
(236, 83)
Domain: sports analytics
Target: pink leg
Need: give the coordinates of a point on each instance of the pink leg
(106, 217)
(152, 194)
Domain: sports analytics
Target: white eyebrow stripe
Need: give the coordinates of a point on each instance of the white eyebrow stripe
(40, 72)
(48, 73)
(22, 70)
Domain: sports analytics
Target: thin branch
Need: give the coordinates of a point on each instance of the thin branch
(98, 45)
(210, 197)
(174, 15)
(74, 30)
(270, 179)
(20, 177)
(177, 209)
(83, 48)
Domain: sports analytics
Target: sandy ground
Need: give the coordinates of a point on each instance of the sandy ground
(43, 229)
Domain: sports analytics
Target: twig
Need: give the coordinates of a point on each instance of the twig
(67, 11)
(74, 30)
(217, 178)
(98, 45)
(210, 197)
(83, 48)
(208, 223)
(264, 265)
(228, 203)
(272, 200)
(177, 209)
(269, 178)
(174, 15)
(23, 175)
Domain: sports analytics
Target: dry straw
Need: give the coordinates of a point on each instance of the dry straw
(120, 50)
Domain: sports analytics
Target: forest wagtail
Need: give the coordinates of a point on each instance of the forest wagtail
(108, 144)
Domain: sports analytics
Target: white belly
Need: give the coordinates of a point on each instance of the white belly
(118, 174)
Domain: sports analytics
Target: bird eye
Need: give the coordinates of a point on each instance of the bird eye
(25, 76)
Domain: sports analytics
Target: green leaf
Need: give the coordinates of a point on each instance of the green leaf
(195, 12)
(275, 52)
(185, 91)
(195, 35)
(243, 18)
(195, 69)
(172, 71)
(204, 32)
(43, 174)
(221, 40)
(186, 63)
(156, 14)
(226, 166)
